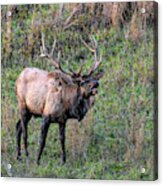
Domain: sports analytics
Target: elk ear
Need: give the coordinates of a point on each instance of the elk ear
(98, 75)
(83, 91)
(65, 79)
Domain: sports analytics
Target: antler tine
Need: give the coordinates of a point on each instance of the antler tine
(44, 50)
(93, 41)
(73, 73)
(101, 57)
(77, 74)
(95, 51)
(96, 64)
(80, 70)
(53, 47)
(95, 46)
(59, 57)
(46, 54)
(86, 45)
(76, 10)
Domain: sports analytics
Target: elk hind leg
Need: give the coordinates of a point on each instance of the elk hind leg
(18, 139)
(25, 117)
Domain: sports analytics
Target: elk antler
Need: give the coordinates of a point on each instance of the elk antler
(95, 51)
(55, 62)
(68, 22)
(44, 52)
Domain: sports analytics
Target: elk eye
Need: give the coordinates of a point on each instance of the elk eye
(90, 86)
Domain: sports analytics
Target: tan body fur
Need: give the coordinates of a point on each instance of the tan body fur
(44, 93)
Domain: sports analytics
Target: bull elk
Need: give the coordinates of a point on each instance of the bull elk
(55, 96)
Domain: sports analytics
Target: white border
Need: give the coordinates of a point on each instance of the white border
(47, 182)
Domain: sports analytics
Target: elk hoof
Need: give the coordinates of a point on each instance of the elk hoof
(27, 153)
(38, 162)
(63, 160)
(19, 158)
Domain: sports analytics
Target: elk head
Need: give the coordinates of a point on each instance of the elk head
(86, 84)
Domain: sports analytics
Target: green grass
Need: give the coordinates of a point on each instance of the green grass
(114, 141)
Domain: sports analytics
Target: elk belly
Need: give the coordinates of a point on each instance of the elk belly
(53, 104)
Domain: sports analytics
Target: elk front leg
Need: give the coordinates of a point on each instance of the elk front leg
(44, 131)
(62, 139)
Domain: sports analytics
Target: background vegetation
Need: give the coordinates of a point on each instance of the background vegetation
(116, 138)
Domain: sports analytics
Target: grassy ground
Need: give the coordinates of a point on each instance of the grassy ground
(114, 141)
